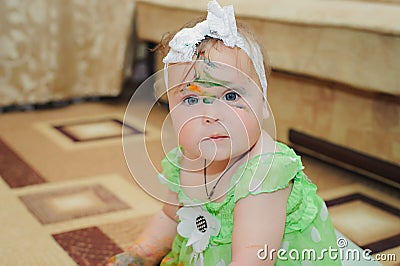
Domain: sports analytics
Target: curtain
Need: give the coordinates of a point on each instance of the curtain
(61, 49)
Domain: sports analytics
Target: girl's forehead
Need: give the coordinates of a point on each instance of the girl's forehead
(214, 85)
(202, 88)
(234, 57)
(215, 66)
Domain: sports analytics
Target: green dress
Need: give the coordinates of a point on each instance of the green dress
(308, 228)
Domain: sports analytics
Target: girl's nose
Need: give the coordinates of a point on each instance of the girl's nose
(210, 112)
(210, 120)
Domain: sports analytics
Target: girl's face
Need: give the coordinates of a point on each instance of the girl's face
(215, 106)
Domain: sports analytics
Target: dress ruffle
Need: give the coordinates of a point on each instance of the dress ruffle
(266, 173)
(303, 206)
(170, 165)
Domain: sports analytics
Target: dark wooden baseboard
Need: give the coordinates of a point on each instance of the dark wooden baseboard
(347, 158)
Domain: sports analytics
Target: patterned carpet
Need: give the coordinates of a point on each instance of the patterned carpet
(68, 197)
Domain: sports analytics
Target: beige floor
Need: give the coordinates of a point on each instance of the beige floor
(85, 205)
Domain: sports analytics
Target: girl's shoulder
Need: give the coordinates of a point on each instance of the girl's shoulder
(266, 172)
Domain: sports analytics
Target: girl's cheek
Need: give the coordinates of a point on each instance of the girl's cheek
(186, 133)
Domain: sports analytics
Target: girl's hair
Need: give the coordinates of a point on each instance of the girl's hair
(246, 33)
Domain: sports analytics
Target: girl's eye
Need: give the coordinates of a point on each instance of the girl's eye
(231, 96)
(191, 100)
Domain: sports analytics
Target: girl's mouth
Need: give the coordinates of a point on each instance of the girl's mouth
(216, 138)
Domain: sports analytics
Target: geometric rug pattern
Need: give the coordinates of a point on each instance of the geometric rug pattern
(69, 205)
(88, 246)
(21, 173)
(96, 130)
(381, 221)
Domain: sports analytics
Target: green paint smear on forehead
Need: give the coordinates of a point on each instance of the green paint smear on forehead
(208, 81)
(194, 88)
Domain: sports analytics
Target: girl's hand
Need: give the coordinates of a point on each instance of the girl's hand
(152, 244)
(125, 259)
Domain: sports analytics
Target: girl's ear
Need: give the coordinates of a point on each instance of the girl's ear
(265, 110)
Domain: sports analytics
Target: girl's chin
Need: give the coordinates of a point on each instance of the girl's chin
(218, 155)
(214, 152)
(209, 155)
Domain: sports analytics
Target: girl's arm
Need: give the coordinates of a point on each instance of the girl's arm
(153, 243)
(259, 222)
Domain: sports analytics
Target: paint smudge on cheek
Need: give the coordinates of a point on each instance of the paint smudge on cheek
(240, 107)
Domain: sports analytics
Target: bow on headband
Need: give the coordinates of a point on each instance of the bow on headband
(220, 24)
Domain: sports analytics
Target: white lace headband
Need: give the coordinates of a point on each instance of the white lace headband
(220, 24)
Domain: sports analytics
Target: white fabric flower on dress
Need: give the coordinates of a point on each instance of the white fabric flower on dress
(197, 225)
